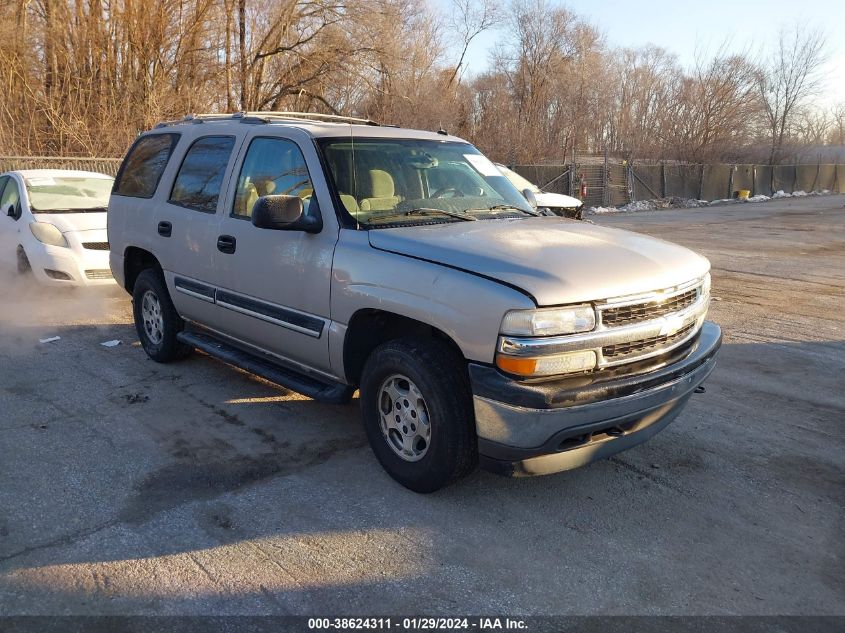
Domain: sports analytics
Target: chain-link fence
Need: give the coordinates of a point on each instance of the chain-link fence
(102, 165)
(602, 180)
(597, 179)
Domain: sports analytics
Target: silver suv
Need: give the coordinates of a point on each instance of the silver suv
(328, 254)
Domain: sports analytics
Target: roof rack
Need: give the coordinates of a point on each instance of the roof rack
(267, 115)
(314, 116)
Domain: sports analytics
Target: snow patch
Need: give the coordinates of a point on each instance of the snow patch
(692, 203)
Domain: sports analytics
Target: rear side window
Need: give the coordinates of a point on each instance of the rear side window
(142, 168)
(198, 182)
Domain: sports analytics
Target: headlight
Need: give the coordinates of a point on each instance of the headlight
(48, 234)
(705, 287)
(549, 321)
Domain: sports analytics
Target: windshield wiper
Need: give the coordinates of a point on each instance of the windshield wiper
(423, 211)
(451, 214)
(502, 207)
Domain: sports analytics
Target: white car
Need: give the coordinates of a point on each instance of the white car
(557, 203)
(53, 225)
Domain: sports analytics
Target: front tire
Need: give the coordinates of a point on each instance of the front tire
(417, 409)
(156, 319)
(24, 267)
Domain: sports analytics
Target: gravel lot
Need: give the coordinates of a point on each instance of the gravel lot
(128, 487)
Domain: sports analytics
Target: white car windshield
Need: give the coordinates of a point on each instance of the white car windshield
(388, 181)
(68, 194)
(518, 181)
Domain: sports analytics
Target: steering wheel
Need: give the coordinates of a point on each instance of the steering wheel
(456, 193)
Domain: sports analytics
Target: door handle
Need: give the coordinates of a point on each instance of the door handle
(226, 244)
(165, 229)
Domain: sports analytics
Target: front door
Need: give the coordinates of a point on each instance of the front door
(274, 286)
(10, 226)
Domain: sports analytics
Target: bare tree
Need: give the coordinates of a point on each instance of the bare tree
(788, 79)
(837, 134)
(85, 76)
(471, 19)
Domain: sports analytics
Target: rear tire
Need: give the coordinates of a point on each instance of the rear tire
(417, 409)
(156, 319)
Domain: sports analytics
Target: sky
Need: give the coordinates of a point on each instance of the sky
(683, 27)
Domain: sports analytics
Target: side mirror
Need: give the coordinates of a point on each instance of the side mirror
(284, 213)
(11, 212)
(529, 195)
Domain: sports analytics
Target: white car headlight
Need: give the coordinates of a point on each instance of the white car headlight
(549, 321)
(705, 286)
(48, 234)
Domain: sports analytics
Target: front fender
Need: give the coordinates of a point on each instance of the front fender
(466, 307)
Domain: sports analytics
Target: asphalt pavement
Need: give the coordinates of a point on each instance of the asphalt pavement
(130, 487)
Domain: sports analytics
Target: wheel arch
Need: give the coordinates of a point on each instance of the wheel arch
(135, 261)
(370, 327)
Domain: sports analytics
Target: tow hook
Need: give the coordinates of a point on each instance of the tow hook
(699, 389)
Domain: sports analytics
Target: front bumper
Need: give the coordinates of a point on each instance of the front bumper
(539, 428)
(84, 267)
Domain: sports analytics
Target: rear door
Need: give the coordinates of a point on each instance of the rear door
(274, 286)
(166, 201)
(191, 213)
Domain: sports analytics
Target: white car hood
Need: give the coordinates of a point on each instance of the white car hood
(555, 260)
(556, 200)
(74, 222)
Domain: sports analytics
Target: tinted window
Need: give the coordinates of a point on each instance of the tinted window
(198, 182)
(142, 168)
(272, 166)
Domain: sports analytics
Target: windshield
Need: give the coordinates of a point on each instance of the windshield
(518, 181)
(399, 181)
(69, 194)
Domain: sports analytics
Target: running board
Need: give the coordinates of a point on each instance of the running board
(265, 367)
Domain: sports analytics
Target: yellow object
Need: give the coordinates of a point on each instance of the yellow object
(743, 194)
(553, 365)
(518, 366)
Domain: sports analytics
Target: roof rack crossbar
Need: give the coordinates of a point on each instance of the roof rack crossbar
(266, 115)
(314, 116)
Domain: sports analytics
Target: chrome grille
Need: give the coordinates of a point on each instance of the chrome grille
(638, 312)
(646, 345)
(96, 246)
(100, 273)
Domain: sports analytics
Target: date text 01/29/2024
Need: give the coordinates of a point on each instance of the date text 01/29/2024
(417, 624)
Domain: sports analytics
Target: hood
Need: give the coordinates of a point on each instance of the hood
(555, 260)
(556, 200)
(72, 222)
